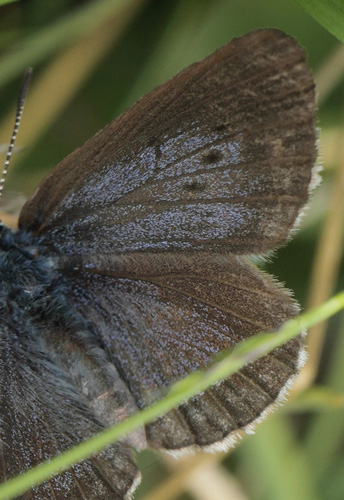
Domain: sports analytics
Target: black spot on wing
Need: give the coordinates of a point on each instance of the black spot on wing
(195, 186)
(220, 128)
(212, 156)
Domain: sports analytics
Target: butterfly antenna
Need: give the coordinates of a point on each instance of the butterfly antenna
(20, 107)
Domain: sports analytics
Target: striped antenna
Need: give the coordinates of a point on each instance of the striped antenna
(20, 107)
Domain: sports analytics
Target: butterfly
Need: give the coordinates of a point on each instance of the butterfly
(131, 268)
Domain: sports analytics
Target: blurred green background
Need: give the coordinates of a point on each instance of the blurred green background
(91, 61)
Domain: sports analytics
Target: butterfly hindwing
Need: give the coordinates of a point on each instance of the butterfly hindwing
(160, 317)
(42, 413)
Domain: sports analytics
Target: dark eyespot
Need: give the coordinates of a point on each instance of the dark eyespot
(212, 156)
(152, 143)
(220, 128)
(194, 186)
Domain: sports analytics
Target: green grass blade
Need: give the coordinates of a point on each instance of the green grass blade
(33, 49)
(244, 353)
(328, 13)
(4, 2)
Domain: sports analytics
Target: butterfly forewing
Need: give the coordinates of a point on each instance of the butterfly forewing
(219, 159)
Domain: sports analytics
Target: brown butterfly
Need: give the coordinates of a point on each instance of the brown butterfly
(130, 268)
